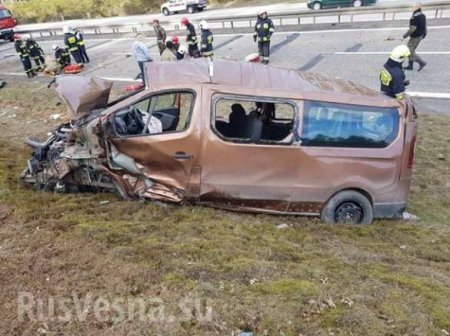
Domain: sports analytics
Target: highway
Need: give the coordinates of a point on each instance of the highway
(354, 53)
(207, 14)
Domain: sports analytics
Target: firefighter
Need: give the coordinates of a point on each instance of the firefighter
(191, 38)
(264, 29)
(70, 40)
(206, 43)
(62, 56)
(392, 76)
(417, 32)
(24, 54)
(81, 46)
(36, 53)
(160, 36)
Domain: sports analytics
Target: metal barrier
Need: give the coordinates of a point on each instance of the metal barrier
(435, 10)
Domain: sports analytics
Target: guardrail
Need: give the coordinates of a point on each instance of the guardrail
(435, 10)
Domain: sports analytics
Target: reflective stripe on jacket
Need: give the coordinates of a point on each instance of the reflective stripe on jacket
(264, 29)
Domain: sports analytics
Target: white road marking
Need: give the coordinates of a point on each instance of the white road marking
(429, 95)
(387, 52)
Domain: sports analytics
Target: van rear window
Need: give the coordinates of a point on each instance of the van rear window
(342, 125)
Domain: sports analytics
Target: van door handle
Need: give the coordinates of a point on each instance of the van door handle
(182, 156)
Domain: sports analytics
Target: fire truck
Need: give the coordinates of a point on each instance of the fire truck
(7, 24)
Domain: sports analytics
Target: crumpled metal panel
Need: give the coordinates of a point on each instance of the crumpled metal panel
(83, 94)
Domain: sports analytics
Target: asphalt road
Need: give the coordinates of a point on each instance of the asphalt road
(207, 14)
(351, 54)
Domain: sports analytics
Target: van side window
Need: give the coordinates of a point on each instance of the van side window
(160, 113)
(264, 122)
(342, 125)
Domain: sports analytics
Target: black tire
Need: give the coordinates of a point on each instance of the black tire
(190, 9)
(200, 9)
(317, 5)
(165, 11)
(348, 207)
(358, 3)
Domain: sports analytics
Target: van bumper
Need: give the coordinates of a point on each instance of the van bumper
(388, 210)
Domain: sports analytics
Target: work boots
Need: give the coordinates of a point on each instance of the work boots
(421, 64)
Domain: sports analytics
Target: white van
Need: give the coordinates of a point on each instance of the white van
(175, 6)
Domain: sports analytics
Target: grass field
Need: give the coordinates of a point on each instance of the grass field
(390, 278)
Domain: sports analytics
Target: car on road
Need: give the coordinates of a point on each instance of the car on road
(176, 6)
(320, 4)
(7, 24)
(249, 138)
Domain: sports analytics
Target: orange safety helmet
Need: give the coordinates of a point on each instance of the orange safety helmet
(184, 21)
(175, 40)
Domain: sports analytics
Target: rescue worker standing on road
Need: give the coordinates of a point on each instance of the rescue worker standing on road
(417, 32)
(160, 36)
(36, 53)
(191, 38)
(24, 55)
(81, 46)
(392, 76)
(264, 29)
(207, 39)
(62, 56)
(70, 41)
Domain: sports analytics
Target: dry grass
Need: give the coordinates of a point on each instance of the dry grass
(391, 278)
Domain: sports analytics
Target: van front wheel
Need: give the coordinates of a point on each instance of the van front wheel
(348, 207)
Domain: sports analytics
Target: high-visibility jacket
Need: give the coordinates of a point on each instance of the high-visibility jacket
(392, 79)
(191, 37)
(79, 37)
(264, 29)
(70, 40)
(34, 48)
(21, 49)
(207, 43)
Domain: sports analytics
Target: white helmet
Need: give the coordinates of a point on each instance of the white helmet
(66, 30)
(54, 47)
(400, 53)
(203, 25)
(182, 49)
(261, 12)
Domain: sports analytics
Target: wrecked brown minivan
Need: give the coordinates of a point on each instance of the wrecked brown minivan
(251, 138)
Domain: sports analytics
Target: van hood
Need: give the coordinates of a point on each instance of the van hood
(83, 94)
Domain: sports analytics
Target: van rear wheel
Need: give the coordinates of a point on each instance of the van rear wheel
(166, 11)
(357, 3)
(190, 9)
(348, 207)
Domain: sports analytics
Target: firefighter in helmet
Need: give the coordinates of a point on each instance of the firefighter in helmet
(62, 56)
(36, 53)
(24, 54)
(206, 43)
(264, 29)
(70, 40)
(392, 76)
(191, 38)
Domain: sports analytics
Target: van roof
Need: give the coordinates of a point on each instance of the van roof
(259, 76)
